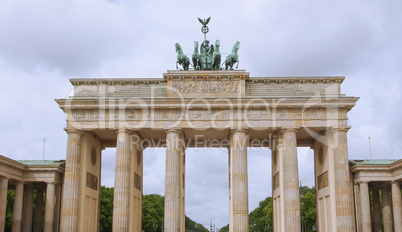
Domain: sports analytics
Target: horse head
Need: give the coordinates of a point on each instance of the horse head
(217, 43)
(195, 46)
(236, 46)
(178, 47)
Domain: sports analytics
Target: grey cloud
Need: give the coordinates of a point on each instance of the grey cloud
(73, 37)
(46, 42)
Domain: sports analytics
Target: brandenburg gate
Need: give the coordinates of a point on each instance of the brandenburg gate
(207, 108)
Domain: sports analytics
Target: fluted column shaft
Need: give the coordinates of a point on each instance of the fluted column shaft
(3, 201)
(17, 209)
(70, 202)
(122, 183)
(38, 211)
(386, 209)
(49, 207)
(173, 215)
(291, 181)
(377, 224)
(365, 206)
(343, 187)
(239, 181)
(397, 205)
(28, 209)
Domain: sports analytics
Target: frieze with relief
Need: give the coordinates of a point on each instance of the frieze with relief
(256, 114)
(223, 86)
(212, 114)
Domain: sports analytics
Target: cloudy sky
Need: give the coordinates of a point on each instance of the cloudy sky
(43, 43)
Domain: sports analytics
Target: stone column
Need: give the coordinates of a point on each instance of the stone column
(38, 211)
(230, 190)
(56, 217)
(239, 181)
(397, 205)
(49, 207)
(386, 209)
(174, 217)
(377, 224)
(290, 174)
(122, 183)
(17, 210)
(28, 209)
(3, 201)
(343, 186)
(358, 207)
(365, 206)
(70, 204)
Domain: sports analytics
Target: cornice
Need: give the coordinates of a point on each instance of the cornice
(172, 103)
(388, 167)
(115, 81)
(298, 80)
(206, 75)
(12, 163)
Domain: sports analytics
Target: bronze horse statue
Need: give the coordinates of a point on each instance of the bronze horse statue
(216, 56)
(181, 58)
(196, 57)
(233, 57)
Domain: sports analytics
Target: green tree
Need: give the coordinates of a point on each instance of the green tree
(190, 225)
(9, 210)
(152, 212)
(224, 229)
(307, 207)
(106, 209)
(260, 219)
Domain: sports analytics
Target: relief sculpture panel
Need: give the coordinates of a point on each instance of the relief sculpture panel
(206, 86)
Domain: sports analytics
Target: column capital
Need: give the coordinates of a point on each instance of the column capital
(72, 130)
(364, 182)
(123, 130)
(129, 131)
(344, 129)
(243, 130)
(289, 129)
(174, 130)
(52, 182)
(395, 182)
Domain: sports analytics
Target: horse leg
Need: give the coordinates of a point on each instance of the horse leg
(237, 66)
(177, 67)
(217, 63)
(187, 63)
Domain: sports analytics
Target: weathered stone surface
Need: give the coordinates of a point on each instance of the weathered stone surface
(174, 182)
(122, 182)
(238, 181)
(214, 105)
(70, 204)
